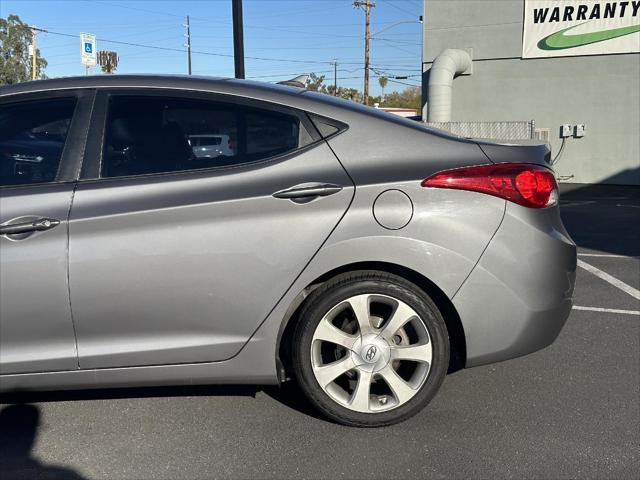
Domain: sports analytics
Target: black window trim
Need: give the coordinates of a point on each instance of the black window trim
(341, 127)
(92, 164)
(75, 142)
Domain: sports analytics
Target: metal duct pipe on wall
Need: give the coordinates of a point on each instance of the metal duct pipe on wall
(445, 67)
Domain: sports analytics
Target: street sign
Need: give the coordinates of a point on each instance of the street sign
(88, 49)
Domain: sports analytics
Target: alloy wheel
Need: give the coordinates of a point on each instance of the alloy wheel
(371, 353)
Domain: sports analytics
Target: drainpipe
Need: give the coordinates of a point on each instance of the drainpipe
(445, 67)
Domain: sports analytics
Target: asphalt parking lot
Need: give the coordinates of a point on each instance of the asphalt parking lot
(571, 410)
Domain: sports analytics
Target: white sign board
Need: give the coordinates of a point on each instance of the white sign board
(562, 28)
(88, 50)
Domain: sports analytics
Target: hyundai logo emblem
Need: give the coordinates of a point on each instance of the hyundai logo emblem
(370, 353)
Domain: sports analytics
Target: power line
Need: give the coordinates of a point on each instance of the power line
(138, 9)
(404, 83)
(172, 49)
(399, 42)
(396, 47)
(286, 74)
(198, 52)
(399, 8)
(301, 11)
(332, 25)
(157, 12)
(89, 24)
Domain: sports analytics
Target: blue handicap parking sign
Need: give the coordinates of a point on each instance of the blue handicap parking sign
(88, 47)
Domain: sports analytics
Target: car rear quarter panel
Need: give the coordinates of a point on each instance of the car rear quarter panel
(448, 230)
(443, 241)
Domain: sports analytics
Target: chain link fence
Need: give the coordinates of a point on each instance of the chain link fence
(518, 130)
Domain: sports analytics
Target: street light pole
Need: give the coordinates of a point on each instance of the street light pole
(238, 38)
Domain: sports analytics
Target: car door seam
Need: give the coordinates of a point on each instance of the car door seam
(73, 193)
(68, 268)
(304, 268)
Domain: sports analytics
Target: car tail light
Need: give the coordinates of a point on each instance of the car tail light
(529, 185)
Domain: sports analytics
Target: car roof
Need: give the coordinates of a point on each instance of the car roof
(286, 95)
(186, 82)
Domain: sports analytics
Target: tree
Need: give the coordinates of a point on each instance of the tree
(410, 97)
(15, 61)
(352, 94)
(315, 82)
(108, 61)
(382, 80)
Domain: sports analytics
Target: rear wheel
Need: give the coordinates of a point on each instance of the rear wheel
(370, 349)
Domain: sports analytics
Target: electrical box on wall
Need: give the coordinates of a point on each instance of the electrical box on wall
(566, 130)
(579, 130)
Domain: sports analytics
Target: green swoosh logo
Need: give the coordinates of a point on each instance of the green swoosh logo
(560, 41)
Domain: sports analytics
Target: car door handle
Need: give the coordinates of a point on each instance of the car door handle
(38, 225)
(307, 190)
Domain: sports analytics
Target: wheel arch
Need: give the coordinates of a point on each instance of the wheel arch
(455, 329)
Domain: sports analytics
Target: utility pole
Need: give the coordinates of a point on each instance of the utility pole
(335, 77)
(188, 25)
(367, 4)
(367, 21)
(238, 38)
(34, 51)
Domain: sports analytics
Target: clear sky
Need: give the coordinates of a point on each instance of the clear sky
(283, 38)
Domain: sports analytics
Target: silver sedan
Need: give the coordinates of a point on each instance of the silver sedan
(362, 255)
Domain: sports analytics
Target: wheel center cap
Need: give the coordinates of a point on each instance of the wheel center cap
(371, 353)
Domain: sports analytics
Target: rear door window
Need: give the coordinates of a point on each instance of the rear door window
(148, 134)
(32, 139)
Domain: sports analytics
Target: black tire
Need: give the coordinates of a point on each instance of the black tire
(337, 290)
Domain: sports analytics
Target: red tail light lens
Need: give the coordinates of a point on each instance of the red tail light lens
(529, 185)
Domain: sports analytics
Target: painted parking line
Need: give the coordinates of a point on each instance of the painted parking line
(607, 310)
(606, 255)
(577, 203)
(635, 293)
